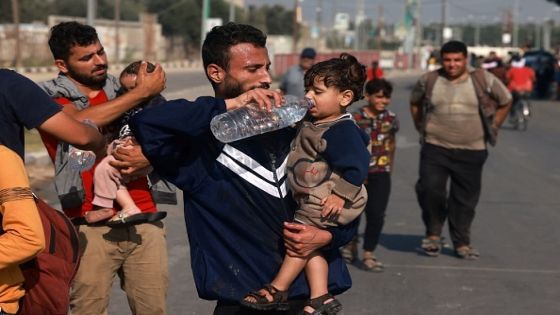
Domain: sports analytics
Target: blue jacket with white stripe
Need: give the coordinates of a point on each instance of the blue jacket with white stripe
(235, 199)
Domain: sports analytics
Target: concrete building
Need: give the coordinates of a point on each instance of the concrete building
(140, 39)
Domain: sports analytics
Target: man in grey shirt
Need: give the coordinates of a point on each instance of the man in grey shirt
(454, 146)
(292, 82)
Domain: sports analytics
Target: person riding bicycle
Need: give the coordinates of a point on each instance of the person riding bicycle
(521, 80)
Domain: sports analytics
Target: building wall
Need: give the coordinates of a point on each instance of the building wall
(33, 44)
(141, 39)
(137, 39)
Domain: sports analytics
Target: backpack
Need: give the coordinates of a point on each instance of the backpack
(487, 105)
(49, 275)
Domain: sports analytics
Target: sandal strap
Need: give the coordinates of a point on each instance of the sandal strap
(320, 307)
(319, 301)
(278, 296)
(259, 298)
(468, 253)
(369, 255)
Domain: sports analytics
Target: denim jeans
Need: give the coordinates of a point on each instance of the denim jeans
(463, 170)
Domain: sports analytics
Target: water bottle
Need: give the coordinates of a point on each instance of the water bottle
(81, 160)
(251, 120)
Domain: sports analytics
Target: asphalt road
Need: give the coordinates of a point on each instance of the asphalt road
(514, 230)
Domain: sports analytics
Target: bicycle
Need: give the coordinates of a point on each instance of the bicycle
(521, 111)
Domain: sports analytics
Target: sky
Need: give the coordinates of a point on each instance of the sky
(461, 11)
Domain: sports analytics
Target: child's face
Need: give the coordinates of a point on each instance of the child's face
(378, 100)
(128, 82)
(328, 103)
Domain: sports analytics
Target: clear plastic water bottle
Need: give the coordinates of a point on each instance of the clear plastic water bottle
(251, 120)
(81, 160)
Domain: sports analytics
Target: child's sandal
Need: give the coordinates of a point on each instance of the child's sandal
(257, 300)
(322, 307)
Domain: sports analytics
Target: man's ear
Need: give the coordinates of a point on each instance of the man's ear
(61, 65)
(346, 98)
(215, 73)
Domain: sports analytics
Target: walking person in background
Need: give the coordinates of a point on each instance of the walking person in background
(292, 82)
(449, 109)
(374, 72)
(381, 125)
(136, 253)
(521, 80)
(496, 66)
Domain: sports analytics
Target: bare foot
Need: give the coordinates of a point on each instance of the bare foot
(98, 215)
(124, 213)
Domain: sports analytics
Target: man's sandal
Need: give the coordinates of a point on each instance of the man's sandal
(322, 307)
(467, 253)
(432, 247)
(258, 300)
(370, 263)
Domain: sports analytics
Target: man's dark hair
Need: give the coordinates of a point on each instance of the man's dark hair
(134, 67)
(376, 85)
(344, 73)
(66, 35)
(215, 49)
(454, 46)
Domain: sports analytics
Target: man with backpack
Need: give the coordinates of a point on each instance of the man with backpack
(457, 110)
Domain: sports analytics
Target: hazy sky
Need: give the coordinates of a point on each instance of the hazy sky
(481, 11)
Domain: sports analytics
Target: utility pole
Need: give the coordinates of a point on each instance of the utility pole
(477, 33)
(296, 21)
(319, 23)
(418, 37)
(91, 9)
(358, 29)
(148, 23)
(380, 27)
(516, 24)
(443, 20)
(231, 11)
(205, 15)
(17, 48)
(538, 44)
(117, 29)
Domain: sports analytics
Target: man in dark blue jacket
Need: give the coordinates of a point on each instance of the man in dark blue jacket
(237, 206)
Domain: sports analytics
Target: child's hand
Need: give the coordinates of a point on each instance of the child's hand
(332, 207)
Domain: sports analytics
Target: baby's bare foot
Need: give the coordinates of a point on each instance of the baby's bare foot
(98, 215)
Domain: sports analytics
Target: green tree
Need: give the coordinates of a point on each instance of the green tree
(278, 20)
(30, 10)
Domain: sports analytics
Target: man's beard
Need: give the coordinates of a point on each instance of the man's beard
(89, 80)
(233, 89)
